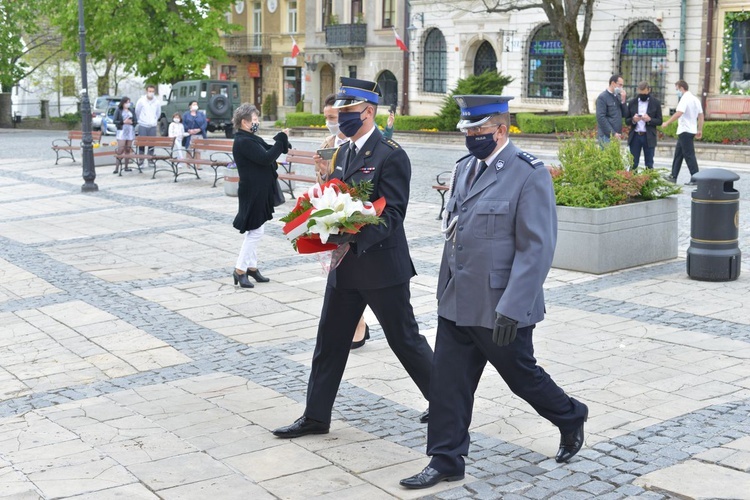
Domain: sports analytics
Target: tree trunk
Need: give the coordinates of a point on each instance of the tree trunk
(578, 101)
(6, 110)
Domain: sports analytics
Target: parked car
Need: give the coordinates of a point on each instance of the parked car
(216, 98)
(102, 104)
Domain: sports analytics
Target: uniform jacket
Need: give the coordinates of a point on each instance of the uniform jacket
(379, 256)
(609, 114)
(504, 242)
(653, 110)
(256, 166)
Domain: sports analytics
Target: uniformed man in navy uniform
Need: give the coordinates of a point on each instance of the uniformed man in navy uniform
(375, 271)
(500, 232)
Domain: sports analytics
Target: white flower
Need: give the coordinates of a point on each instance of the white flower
(342, 206)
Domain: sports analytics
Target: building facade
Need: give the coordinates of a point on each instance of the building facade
(356, 39)
(704, 42)
(259, 56)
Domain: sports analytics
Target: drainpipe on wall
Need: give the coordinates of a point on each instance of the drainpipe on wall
(405, 79)
(683, 24)
(709, 51)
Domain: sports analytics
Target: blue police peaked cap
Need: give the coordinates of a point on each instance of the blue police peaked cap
(353, 91)
(477, 109)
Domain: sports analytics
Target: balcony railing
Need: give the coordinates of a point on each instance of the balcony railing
(257, 43)
(346, 35)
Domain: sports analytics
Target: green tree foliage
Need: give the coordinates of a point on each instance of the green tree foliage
(488, 83)
(162, 41)
(22, 32)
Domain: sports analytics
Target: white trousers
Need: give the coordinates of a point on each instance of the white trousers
(248, 256)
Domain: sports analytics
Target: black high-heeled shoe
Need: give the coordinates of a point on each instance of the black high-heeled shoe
(360, 343)
(258, 277)
(242, 280)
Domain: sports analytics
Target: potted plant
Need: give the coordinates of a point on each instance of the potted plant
(609, 217)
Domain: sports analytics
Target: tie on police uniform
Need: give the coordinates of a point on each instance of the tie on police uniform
(351, 153)
(476, 173)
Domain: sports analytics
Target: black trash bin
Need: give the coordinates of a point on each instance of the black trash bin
(714, 254)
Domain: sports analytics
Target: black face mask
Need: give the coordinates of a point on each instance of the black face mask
(643, 97)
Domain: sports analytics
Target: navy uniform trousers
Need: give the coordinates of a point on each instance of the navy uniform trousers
(342, 309)
(461, 354)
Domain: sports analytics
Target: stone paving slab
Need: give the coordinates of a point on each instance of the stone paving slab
(131, 367)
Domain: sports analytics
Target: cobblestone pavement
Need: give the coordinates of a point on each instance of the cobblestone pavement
(131, 367)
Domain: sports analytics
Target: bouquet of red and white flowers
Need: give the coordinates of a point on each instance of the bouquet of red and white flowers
(330, 208)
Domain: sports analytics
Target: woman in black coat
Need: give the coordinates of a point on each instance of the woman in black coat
(256, 166)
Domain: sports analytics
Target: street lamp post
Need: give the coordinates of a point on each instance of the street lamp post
(87, 149)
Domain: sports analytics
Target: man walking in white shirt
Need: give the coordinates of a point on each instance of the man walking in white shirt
(147, 111)
(689, 127)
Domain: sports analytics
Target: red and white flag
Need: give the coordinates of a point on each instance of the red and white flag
(399, 42)
(295, 47)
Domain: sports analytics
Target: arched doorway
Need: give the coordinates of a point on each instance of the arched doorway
(389, 87)
(643, 56)
(327, 81)
(486, 59)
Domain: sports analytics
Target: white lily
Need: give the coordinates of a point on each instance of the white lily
(343, 206)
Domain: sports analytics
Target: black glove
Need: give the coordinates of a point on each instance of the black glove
(505, 330)
(340, 239)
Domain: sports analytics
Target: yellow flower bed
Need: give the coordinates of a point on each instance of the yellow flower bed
(428, 130)
(514, 130)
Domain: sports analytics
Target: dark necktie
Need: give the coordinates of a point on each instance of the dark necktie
(476, 173)
(350, 156)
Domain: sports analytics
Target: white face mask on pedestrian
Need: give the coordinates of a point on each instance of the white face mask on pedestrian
(333, 127)
(194, 107)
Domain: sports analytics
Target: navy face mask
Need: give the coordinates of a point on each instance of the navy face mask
(481, 146)
(350, 122)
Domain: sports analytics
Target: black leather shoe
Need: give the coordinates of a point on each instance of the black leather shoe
(428, 478)
(425, 416)
(258, 277)
(360, 343)
(242, 280)
(571, 442)
(302, 427)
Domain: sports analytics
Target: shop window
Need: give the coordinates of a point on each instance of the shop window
(292, 85)
(546, 70)
(643, 57)
(435, 62)
(735, 68)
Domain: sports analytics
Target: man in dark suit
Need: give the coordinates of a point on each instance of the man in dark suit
(610, 109)
(644, 115)
(500, 231)
(375, 271)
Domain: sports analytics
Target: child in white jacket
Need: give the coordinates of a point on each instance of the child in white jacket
(177, 130)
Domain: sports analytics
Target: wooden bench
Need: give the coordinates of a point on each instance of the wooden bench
(66, 145)
(219, 152)
(288, 175)
(442, 188)
(162, 147)
(727, 106)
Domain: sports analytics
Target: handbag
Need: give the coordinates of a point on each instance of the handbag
(278, 194)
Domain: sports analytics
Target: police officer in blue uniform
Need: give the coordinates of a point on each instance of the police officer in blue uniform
(375, 271)
(500, 232)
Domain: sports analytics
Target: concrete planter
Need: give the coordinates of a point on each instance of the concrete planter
(602, 240)
(103, 155)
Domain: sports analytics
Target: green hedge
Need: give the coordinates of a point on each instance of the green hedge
(305, 120)
(530, 123)
(718, 131)
(402, 122)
